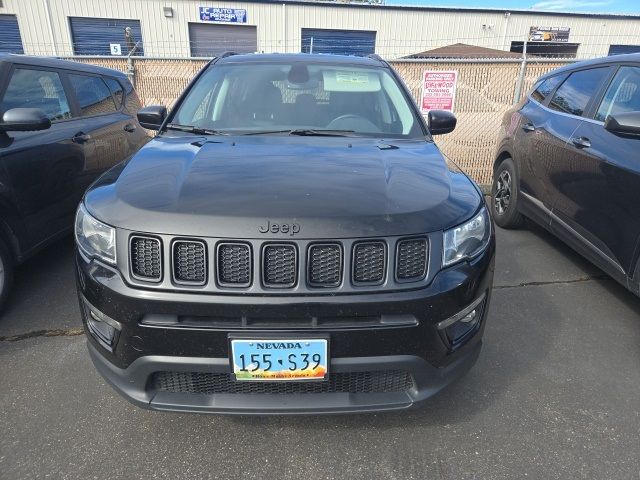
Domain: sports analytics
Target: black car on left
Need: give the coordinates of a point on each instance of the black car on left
(63, 124)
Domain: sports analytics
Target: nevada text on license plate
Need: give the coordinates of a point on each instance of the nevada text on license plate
(279, 359)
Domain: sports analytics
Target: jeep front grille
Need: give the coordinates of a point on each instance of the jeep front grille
(411, 259)
(234, 264)
(294, 266)
(190, 262)
(279, 265)
(325, 265)
(146, 258)
(369, 259)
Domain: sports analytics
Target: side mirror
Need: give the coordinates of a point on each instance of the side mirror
(24, 120)
(152, 117)
(623, 123)
(441, 122)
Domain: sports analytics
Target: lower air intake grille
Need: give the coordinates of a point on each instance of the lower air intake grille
(146, 258)
(279, 266)
(369, 262)
(325, 265)
(411, 263)
(189, 262)
(234, 264)
(340, 382)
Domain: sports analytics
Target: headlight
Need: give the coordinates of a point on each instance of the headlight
(467, 240)
(95, 238)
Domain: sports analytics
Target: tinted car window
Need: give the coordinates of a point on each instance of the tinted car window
(574, 94)
(94, 97)
(545, 88)
(37, 89)
(623, 94)
(116, 89)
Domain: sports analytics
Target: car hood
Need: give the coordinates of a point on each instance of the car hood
(238, 186)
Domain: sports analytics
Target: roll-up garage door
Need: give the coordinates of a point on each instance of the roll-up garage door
(622, 49)
(338, 42)
(94, 36)
(10, 40)
(212, 40)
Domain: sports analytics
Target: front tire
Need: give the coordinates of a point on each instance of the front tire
(6, 274)
(505, 195)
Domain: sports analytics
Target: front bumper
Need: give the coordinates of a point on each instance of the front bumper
(131, 383)
(144, 348)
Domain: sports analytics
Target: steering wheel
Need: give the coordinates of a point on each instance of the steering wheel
(350, 120)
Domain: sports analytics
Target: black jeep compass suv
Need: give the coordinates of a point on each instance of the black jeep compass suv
(291, 241)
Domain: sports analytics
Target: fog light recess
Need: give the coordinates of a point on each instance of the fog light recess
(460, 327)
(102, 327)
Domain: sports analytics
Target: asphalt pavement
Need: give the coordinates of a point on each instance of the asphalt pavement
(555, 394)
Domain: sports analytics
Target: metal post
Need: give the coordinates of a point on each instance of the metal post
(131, 71)
(311, 46)
(523, 70)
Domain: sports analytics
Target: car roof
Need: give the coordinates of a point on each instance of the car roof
(309, 58)
(51, 62)
(611, 60)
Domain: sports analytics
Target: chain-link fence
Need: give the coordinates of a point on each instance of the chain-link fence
(486, 89)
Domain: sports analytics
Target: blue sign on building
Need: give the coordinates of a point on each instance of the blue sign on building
(229, 15)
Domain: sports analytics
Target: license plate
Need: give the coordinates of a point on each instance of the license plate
(279, 359)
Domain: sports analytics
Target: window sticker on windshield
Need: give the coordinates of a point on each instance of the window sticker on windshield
(350, 81)
(352, 77)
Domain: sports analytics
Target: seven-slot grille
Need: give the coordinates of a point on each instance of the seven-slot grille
(369, 260)
(234, 264)
(325, 265)
(411, 259)
(189, 262)
(279, 265)
(146, 258)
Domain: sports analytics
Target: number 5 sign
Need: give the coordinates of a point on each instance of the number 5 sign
(438, 90)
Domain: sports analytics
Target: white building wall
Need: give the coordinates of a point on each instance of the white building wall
(399, 31)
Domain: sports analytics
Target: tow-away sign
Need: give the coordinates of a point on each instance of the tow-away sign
(438, 90)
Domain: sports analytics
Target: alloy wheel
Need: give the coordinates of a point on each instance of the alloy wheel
(502, 197)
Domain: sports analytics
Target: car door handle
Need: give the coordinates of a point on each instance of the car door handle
(581, 142)
(80, 137)
(129, 128)
(528, 127)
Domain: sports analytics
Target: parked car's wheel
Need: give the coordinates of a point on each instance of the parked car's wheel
(505, 195)
(6, 274)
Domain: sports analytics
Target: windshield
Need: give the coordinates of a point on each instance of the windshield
(275, 98)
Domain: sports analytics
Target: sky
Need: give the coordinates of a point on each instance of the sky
(599, 6)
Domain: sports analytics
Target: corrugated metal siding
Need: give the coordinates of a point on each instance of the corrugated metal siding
(93, 36)
(339, 42)
(210, 40)
(622, 49)
(10, 40)
(398, 32)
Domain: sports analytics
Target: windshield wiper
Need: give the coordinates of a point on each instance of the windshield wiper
(306, 132)
(311, 132)
(194, 130)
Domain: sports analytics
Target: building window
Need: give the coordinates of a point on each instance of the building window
(338, 42)
(547, 49)
(10, 40)
(98, 36)
(212, 40)
(622, 49)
